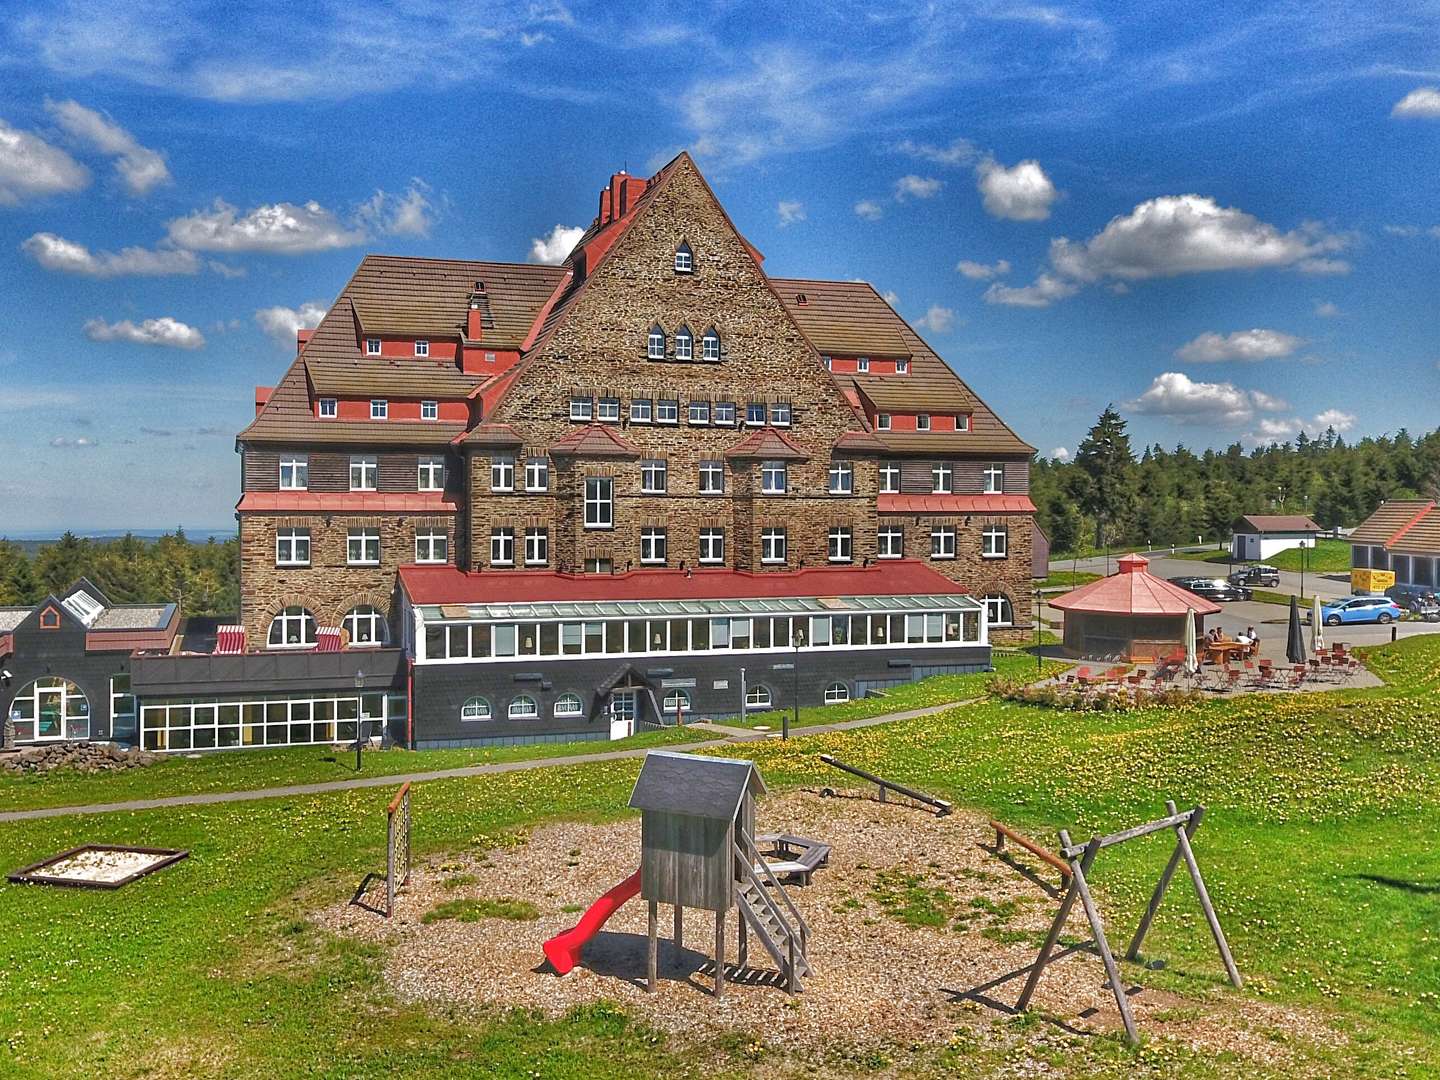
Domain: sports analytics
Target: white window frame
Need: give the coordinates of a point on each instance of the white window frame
(994, 542)
(942, 479)
(862, 365)
(725, 413)
(599, 502)
(698, 413)
(837, 694)
(758, 696)
(372, 346)
(476, 709)
(379, 626)
(922, 421)
(774, 546)
(994, 479)
(684, 344)
(379, 409)
(432, 546)
(769, 471)
(502, 472)
(712, 477)
(995, 605)
(751, 408)
(710, 346)
(537, 474)
(537, 545)
(842, 478)
(684, 260)
(368, 550)
(364, 472)
(780, 413)
(840, 545)
(654, 476)
(942, 541)
(607, 410)
(902, 367)
(712, 546)
(582, 408)
(431, 473)
(422, 347)
(890, 542)
(284, 617)
(288, 545)
(962, 422)
(329, 408)
(429, 410)
(294, 473)
(882, 421)
(502, 546)
(889, 478)
(655, 343)
(675, 701)
(642, 411)
(577, 710)
(667, 411)
(522, 707)
(654, 547)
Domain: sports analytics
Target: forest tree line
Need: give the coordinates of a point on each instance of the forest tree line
(202, 578)
(1108, 496)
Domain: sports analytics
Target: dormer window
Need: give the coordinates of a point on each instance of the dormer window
(922, 422)
(372, 346)
(882, 421)
(657, 343)
(379, 409)
(422, 347)
(862, 365)
(710, 345)
(684, 260)
(429, 410)
(902, 367)
(329, 408)
(684, 344)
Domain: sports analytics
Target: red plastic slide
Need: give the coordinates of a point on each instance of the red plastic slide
(563, 950)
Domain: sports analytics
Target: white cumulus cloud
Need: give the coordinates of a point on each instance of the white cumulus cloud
(977, 271)
(165, 331)
(1271, 430)
(1060, 453)
(917, 187)
(69, 257)
(552, 249)
(1042, 292)
(1020, 192)
(30, 168)
(869, 210)
(140, 168)
(790, 211)
(956, 152)
(411, 214)
(1327, 309)
(938, 320)
(1174, 395)
(281, 228)
(1423, 101)
(1248, 345)
(282, 323)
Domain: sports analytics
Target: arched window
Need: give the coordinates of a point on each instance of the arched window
(836, 692)
(366, 625)
(569, 705)
(758, 697)
(50, 708)
(998, 610)
(676, 700)
(523, 708)
(475, 708)
(684, 344)
(684, 259)
(710, 345)
(293, 628)
(657, 343)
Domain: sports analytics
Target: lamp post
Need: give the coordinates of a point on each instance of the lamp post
(1302, 571)
(797, 639)
(1039, 663)
(359, 715)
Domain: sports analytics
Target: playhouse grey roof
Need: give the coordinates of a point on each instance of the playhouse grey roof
(707, 787)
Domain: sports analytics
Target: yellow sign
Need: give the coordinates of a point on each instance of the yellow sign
(1374, 581)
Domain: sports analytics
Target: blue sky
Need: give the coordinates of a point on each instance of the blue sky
(1224, 217)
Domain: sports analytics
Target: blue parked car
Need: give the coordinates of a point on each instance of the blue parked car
(1358, 609)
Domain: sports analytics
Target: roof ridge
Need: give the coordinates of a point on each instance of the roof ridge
(1421, 516)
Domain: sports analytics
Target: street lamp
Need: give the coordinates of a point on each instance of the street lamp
(359, 715)
(797, 639)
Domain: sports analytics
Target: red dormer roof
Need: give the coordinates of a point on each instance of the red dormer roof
(768, 443)
(594, 440)
(1134, 591)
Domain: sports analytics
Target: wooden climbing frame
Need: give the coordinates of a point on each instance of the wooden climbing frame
(1079, 859)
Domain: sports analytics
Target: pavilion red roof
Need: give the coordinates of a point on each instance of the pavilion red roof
(1133, 590)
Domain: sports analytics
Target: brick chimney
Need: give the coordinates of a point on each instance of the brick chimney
(474, 317)
(301, 337)
(620, 197)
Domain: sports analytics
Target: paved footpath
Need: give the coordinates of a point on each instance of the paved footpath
(730, 735)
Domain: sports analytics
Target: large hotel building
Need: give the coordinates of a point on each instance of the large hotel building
(513, 502)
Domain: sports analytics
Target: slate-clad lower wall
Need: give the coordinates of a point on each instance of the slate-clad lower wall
(61, 654)
(713, 683)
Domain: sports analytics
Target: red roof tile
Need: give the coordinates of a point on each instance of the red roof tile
(594, 440)
(1134, 591)
(365, 502)
(955, 504)
(767, 442)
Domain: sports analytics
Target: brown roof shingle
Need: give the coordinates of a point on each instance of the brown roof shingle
(1388, 519)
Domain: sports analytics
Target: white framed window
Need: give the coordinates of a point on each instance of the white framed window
(712, 478)
(994, 479)
(292, 547)
(922, 422)
(699, 412)
(537, 545)
(712, 546)
(890, 542)
(998, 610)
(942, 542)
(684, 344)
(329, 408)
(366, 625)
(962, 422)
(372, 346)
(475, 708)
(842, 478)
(772, 545)
(569, 705)
(667, 411)
(755, 414)
(599, 502)
(379, 409)
(829, 362)
(725, 413)
(710, 346)
(902, 367)
(773, 477)
(780, 413)
(653, 476)
(676, 701)
(882, 421)
(502, 547)
(523, 708)
(537, 474)
(294, 473)
(837, 693)
(684, 260)
(642, 411)
(840, 545)
(362, 547)
(432, 472)
(429, 410)
(582, 408)
(502, 472)
(652, 546)
(994, 542)
(608, 410)
(889, 478)
(942, 478)
(292, 628)
(655, 349)
(758, 697)
(862, 365)
(422, 347)
(599, 565)
(362, 472)
(432, 546)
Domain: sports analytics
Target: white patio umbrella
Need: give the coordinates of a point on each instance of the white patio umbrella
(1192, 661)
(1317, 628)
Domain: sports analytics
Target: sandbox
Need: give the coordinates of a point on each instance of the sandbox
(97, 866)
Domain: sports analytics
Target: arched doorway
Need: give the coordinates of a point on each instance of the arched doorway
(50, 709)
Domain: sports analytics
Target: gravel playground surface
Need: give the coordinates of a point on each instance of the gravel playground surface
(911, 925)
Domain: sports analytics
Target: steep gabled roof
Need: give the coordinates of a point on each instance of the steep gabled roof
(706, 787)
(594, 440)
(769, 443)
(1391, 519)
(1262, 523)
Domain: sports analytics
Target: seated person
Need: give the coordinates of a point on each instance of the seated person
(1243, 637)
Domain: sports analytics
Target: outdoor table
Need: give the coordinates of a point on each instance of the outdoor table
(1220, 652)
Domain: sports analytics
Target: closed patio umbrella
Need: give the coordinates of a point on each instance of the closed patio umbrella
(1295, 643)
(1192, 662)
(1317, 627)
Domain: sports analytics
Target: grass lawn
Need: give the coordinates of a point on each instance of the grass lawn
(1327, 557)
(1067, 579)
(1319, 849)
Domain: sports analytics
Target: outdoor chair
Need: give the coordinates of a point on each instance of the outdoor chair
(1232, 677)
